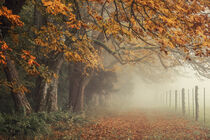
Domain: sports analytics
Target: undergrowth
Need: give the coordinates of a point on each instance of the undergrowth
(35, 125)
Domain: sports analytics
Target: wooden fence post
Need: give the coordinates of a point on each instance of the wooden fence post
(196, 104)
(170, 99)
(163, 98)
(175, 100)
(204, 106)
(193, 106)
(183, 101)
(189, 102)
(179, 100)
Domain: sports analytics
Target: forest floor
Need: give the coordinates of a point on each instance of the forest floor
(133, 125)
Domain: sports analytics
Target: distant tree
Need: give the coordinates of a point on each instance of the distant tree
(101, 83)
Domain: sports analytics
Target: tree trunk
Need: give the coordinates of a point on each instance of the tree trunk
(107, 99)
(102, 100)
(39, 18)
(78, 82)
(46, 97)
(47, 94)
(20, 100)
(94, 100)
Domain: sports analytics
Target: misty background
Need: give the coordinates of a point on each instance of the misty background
(149, 87)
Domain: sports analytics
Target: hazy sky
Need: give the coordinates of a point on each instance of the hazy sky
(146, 93)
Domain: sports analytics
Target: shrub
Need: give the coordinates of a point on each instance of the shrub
(36, 124)
(12, 125)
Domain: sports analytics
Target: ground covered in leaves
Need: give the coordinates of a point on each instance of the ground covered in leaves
(133, 125)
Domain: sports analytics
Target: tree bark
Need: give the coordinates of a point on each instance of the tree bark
(48, 91)
(46, 97)
(78, 83)
(39, 18)
(19, 98)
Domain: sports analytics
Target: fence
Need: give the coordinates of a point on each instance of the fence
(191, 103)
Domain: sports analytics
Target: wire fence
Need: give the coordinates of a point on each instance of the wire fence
(192, 103)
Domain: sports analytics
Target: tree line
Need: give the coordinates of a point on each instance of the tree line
(48, 46)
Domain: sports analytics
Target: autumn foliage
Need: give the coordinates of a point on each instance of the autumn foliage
(175, 27)
(63, 52)
(46, 44)
(136, 125)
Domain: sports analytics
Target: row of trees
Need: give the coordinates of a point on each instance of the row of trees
(40, 37)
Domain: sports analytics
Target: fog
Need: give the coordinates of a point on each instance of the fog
(148, 92)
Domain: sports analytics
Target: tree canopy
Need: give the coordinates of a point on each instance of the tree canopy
(37, 36)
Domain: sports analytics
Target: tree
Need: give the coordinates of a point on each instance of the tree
(58, 41)
(13, 81)
(132, 32)
(101, 84)
(155, 25)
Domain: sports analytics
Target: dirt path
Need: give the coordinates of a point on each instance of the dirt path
(140, 126)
